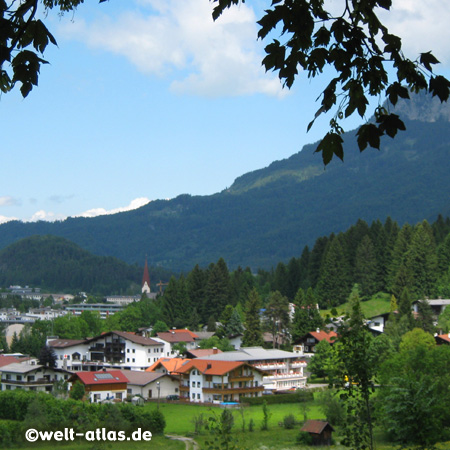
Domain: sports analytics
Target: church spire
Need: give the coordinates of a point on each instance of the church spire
(146, 279)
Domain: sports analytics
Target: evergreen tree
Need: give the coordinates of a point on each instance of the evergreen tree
(334, 283)
(443, 255)
(379, 239)
(305, 282)
(306, 317)
(194, 320)
(170, 307)
(234, 326)
(404, 311)
(277, 317)
(421, 262)
(316, 259)
(195, 284)
(47, 357)
(293, 278)
(398, 255)
(280, 279)
(366, 268)
(252, 334)
(184, 304)
(217, 291)
(424, 317)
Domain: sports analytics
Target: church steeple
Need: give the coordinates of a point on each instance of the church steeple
(146, 279)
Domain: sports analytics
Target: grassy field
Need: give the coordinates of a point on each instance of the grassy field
(378, 304)
(179, 417)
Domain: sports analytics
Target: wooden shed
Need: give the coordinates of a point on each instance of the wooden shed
(319, 430)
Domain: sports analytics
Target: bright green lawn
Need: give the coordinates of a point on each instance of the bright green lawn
(179, 417)
(378, 304)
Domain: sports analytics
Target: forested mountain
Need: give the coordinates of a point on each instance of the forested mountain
(269, 215)
(55, 264)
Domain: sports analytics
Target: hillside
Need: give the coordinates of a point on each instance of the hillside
(270, 214)
(55, 264)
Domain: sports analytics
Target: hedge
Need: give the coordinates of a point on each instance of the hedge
(297, 397)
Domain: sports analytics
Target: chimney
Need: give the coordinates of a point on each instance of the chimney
(215, 351)
(318, 330)
(208, 366)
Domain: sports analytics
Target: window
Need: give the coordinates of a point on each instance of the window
(193, 384)
(128, 350)
(119, 395)
(193, 396)
(198, 383)
(19, 377)
(198, 396)
(149, 350)
(134, 350)
(8, 376)
(134, 360)
(128, 359)
(149, 359)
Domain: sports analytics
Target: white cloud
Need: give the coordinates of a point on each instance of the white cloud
(7, 200)
(47, 216)
(4, 219)
(178, 38)
(423, 26)
(136, 203)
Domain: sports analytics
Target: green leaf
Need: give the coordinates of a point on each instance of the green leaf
(331, 145)
(426, 59)
(440, 86)
(368, 134)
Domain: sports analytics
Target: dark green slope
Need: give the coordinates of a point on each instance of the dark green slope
(270, 214)
(56, 264)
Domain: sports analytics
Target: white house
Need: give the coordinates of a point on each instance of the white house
(115, 349)
(219, 381)
(31, 377)
(173, 337)
(151, 384)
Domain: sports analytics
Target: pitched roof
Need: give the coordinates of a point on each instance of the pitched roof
(252, 354)
(170, 364)
(102, 377)
(5, 360)
(140, 378)
(210, 367)
(63, 343)
(129, 336)
(320, 335)
(445, 337)
(177, 336)
(202, 352)
(20, 368)
(315, 426)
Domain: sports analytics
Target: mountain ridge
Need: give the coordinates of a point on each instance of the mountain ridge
(270, 214)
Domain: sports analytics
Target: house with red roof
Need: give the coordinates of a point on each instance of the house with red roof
(307, 343)
(168, 365)
(219, 381)
(102, 386)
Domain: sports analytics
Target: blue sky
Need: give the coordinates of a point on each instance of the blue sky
(149, 99)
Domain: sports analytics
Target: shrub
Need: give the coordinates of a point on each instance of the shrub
(297, 397)
(289, 422)
(304, 438)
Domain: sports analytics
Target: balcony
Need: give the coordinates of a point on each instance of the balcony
(240, 378)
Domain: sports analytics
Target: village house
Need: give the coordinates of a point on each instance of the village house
(115, 349)
(319, 430)
(173, 337)
(151, 385)
(306, 345)
(31, 377)
(102, 386)
(283, 370)
(219, 381)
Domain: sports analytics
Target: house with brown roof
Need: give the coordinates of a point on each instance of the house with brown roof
(442, 339)
(151, 384)
(319, 430)
(307, 343)
(102, 386)
(219, 381)
(172, 337)
(114, 349)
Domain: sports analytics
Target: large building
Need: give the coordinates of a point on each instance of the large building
(283, 370)
(219, 381)
(115, 349)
